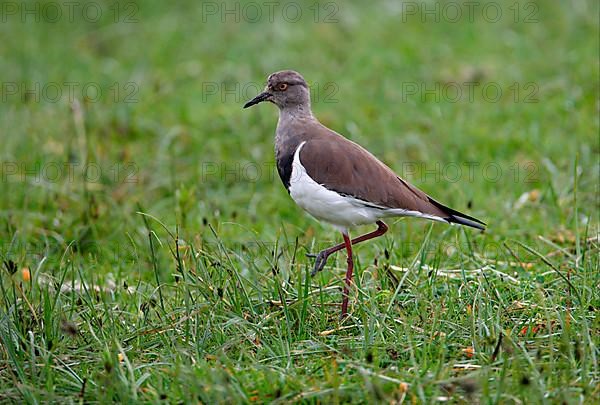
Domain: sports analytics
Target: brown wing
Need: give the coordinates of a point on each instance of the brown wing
(345, 167)
(349, 169)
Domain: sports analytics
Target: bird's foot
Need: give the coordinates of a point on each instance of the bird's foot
(320, 261)
(344, 316)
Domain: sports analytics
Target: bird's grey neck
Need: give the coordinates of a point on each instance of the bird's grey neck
(300, 111)
(291, 128)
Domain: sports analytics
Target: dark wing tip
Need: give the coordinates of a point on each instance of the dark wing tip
(457, 217)
(473, 223)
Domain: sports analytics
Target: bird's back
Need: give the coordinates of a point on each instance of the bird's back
(347, 168)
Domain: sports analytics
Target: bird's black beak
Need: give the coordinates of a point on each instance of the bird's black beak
(264, 96)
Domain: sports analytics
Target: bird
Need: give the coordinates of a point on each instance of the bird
(336, 180)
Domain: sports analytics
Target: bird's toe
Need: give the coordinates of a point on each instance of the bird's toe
(321, 260)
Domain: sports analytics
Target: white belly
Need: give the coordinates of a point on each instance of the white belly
(321, 203)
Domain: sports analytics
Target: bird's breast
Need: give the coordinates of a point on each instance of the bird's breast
(284, 156)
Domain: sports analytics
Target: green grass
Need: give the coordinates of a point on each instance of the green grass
(174, 270)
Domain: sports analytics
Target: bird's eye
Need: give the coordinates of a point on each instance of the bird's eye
(282, 86)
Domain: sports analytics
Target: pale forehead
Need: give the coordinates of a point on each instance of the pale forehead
(285, 76)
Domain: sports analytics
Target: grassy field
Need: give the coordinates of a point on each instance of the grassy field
(150, 254)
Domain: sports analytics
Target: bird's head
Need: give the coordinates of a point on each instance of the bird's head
(285, 89)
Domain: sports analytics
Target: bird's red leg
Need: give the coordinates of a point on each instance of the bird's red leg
(324, 254)
(348, 244)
